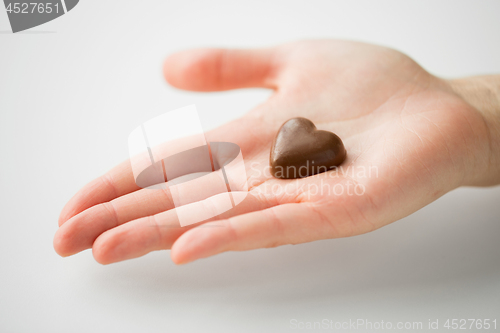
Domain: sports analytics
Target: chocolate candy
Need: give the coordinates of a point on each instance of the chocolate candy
(300, 150)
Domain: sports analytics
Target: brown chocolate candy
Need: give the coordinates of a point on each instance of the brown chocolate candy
(300, 150)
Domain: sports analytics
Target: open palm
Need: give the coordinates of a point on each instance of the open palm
(409, 140)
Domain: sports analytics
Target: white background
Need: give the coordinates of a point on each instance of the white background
(73, 89)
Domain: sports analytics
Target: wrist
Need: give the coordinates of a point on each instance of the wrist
(482, 93)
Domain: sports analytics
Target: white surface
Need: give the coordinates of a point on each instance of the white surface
(70, 98)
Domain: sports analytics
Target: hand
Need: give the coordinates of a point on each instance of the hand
(417, 137)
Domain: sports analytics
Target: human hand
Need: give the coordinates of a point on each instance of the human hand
(410, 138)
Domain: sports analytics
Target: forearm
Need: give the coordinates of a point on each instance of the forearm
(483, 93)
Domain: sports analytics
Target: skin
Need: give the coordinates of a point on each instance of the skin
(423, 135)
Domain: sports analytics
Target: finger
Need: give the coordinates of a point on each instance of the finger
(221, 69)
(115, 183)
(81, 230)
(152, 233)
(284, 224)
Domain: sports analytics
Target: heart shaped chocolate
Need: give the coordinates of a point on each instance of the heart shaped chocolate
(300, 150)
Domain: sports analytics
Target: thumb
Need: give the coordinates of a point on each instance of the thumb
(221, 69)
